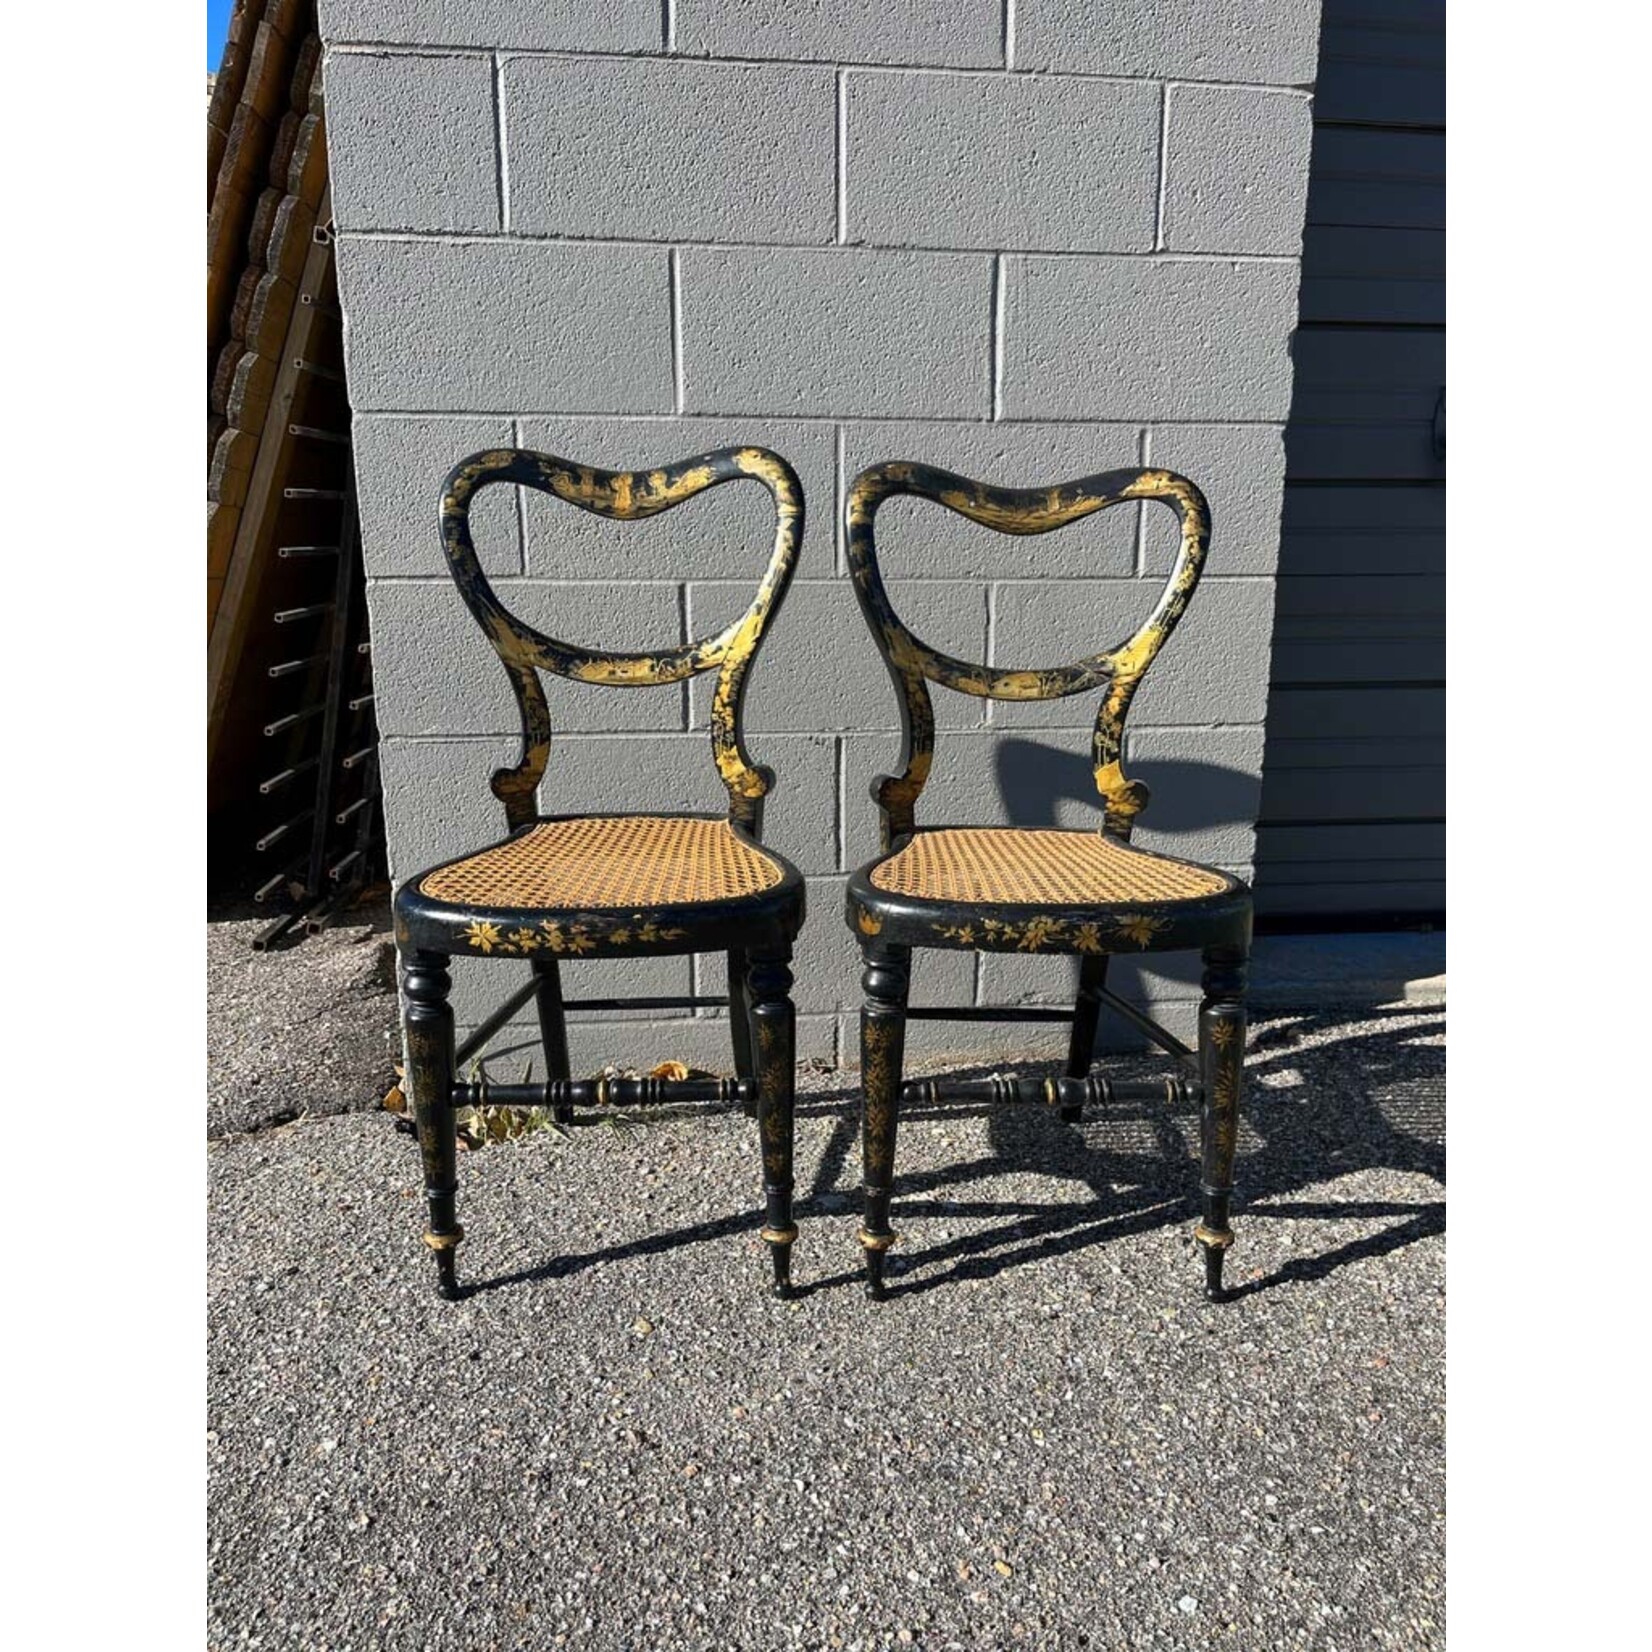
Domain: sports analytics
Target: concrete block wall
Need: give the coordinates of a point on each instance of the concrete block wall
(1024, 239)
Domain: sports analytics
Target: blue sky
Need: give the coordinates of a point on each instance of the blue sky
(217, 24)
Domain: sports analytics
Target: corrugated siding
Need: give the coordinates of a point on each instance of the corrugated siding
(1353, 799)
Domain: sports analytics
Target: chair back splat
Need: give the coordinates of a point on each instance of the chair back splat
(624, 496)
(913, 665)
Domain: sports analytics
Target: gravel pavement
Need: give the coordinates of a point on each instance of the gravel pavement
(306, 1029)
(1045, 1438)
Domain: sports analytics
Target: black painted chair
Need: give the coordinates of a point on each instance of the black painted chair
(568, 887)
(1083, 893)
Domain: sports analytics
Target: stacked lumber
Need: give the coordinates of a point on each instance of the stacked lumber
(266, 179)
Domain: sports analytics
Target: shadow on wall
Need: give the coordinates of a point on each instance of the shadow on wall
(1034, 779)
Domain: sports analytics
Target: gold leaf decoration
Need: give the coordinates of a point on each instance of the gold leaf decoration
(483, 936)
(1140, 928)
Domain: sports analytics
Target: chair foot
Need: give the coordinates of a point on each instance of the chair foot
(780, 1242)
(445, 1246)
(1214, 1243)
(875, 1247)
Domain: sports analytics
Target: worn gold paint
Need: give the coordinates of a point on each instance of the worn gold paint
(1213, 1238)
(880, 1079)
(551, 936)
(877, 1241)
(445, 1241)
(1046, 932)
(780, 1236)
(623, 496)
(1019, 511)
(869, 923)
(483, 936)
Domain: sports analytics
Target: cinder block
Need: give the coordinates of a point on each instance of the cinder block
(481, 984)
(499, 326)
(665, 150)
(1214, 669)
(1205, 783)
(995, 161)
(1236, 169)
(1137, 338)
(675, 772)
(1241, 470)
(1165, 984)
(819, 668)
(827, 964)
(413, 142)
(980, 778)
(1269, 42)
(727, 533)
(439, 804)
(644, 774)
(1141, 978)
(555, 25)
(941, 1046)
(961, 33)
(950, 1046)
(920, 540)
(437, 801)
(835, 333)
(1207, 791)
(800, 814)
(436, 673)
(400, 467)
(701, 1042)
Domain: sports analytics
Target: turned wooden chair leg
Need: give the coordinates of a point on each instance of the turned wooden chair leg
(1221, 1066)
(882, 1054)
(1092, 977)
(553, 1021)
(739, 1016)
(774, 1033)
(427, 1022)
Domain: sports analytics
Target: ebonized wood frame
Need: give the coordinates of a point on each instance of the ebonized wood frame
(756, 932)
(625, 496)
(890, 925)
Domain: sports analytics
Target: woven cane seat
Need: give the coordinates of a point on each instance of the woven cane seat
(1021, 867)
(595, 862)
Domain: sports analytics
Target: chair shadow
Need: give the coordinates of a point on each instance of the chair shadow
(1035, 780)
(1318, 1106)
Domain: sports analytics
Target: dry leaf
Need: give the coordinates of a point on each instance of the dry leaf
(1002, 1568)
(394, 1100)
(673, 1070)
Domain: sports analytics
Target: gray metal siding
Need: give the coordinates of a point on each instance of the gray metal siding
(1353, 797)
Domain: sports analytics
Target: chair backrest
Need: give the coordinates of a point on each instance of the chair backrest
(913, 665)
(626, 496)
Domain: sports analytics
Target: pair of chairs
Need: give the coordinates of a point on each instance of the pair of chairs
(570, 887)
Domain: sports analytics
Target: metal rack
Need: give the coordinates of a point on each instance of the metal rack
(321, 781)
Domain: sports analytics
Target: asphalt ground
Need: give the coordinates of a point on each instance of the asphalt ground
(1045, 1437)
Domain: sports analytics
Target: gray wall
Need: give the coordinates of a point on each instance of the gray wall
(1024, 242)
